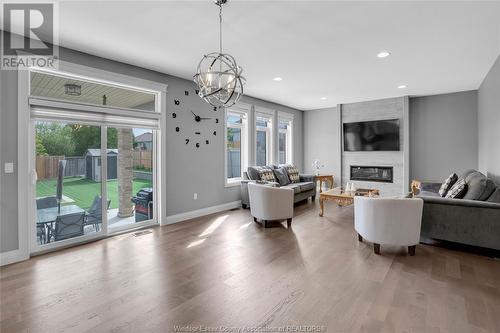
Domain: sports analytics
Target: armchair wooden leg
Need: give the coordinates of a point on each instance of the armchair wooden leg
(255, 219)
(289, 222)
(411, 250)
(264, 224)
(360, 238)
(376, 248)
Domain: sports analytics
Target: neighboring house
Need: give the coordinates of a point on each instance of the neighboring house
(144, 141)
(93, 164)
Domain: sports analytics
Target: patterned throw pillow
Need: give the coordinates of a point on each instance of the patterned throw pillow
(448, 183)
(266, 174)
(458, 190)
(292, 172)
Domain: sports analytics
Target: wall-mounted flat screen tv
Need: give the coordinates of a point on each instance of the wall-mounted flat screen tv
(379, 135)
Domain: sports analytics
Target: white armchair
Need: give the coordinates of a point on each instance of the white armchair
(269, 203)
(392, 221)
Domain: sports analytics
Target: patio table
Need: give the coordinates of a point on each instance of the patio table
(47, 216)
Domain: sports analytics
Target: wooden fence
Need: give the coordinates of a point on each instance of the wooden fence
(75, 166)
(46, 166)
(143, 159)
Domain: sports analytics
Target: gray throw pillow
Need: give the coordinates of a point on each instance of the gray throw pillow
(448, 183)
(458, 190)
(479, 187)
(282, 176)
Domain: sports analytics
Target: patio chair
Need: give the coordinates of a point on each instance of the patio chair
(69, 226)
(94, 215)
(42, 203)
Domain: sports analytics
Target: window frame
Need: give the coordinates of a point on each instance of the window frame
(243, 112)
(286, 117)
(269, 116)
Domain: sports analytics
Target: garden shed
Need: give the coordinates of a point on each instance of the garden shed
(93, 164)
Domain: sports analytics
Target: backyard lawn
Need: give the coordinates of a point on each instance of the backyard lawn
(83, 191)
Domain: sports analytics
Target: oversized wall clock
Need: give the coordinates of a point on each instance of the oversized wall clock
(204, 123)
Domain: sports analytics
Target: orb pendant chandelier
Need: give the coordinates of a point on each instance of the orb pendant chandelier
(218, 77)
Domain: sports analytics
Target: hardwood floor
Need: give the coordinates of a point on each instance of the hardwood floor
(225, 269)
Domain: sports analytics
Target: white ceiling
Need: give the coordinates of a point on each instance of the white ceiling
(319, 48)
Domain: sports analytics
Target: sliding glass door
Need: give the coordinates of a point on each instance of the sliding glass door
(83, 191)
(68, 185)
(130, 174)
(94, 166)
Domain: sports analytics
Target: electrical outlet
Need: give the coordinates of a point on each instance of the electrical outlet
(195, 196)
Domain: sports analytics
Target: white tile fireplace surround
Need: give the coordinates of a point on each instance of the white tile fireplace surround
(392, 108)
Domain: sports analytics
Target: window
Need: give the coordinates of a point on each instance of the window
(285, 124)
(236, 144)
(86, 91)
(263, 139)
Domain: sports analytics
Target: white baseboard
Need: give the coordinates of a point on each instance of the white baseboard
(200, 212)
(13, 256)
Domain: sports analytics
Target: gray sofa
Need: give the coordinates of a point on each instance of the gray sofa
(305, 188)
(473, 220)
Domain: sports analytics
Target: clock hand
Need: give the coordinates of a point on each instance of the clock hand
(194, 113)
(204, 118)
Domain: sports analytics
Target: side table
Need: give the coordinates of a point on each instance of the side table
(324, 178)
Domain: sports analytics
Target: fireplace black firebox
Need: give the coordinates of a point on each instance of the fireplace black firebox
(372, 173)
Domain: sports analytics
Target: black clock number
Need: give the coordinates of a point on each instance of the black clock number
(174, 115)
(177, 129)
(197, 145)
(206, 142)
(215, 132)
(177, 102)
(216, 120)
(197, 92)
(215, 108)
(187, 141)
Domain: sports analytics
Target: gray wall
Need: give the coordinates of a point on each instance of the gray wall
(8, 153)
(443, 135)
(322, 141)
(489, 123)
(188, 169)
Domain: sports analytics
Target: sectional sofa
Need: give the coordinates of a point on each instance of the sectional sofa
(304, 187)
(472, 220)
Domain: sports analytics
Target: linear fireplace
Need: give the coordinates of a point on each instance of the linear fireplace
(372, 173)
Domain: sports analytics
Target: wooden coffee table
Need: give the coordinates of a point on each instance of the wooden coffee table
(344, 198)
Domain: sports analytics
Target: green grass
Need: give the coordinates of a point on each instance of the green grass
(83, 191)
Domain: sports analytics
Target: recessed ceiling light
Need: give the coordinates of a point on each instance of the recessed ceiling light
(278, 78)
(323, 98)
(403, 86)
(383, 54)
